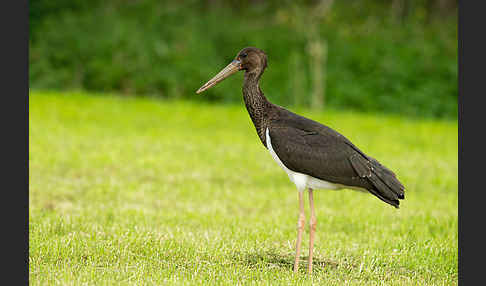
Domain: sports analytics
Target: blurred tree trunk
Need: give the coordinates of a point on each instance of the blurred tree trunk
(296, 69)
(440, 8)
(318, 55)
(307, 23)
(400, 9)
(429, 8)
(446, 6)
(318, 58)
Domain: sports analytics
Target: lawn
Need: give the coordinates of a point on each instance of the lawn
(140, 191)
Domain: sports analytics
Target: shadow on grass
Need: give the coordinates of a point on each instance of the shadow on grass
(272, 259)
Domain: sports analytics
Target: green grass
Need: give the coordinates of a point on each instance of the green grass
(138, 191)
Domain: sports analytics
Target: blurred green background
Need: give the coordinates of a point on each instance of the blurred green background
(381, 56)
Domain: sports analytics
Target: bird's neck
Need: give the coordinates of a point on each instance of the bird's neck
(256, 103)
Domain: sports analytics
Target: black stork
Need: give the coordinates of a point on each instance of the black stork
(313, 155)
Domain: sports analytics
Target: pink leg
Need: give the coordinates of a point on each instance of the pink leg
(300, 228)
(312, 228)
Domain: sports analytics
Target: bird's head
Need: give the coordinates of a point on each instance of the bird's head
(251, 60)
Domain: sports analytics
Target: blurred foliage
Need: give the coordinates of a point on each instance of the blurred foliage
(387, 56)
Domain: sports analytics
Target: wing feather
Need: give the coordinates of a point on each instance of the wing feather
(308, 147)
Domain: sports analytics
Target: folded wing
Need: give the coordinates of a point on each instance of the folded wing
(308, 147)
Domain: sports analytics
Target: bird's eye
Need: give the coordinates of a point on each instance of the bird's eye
(244, 55)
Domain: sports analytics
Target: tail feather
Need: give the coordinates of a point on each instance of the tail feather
(389, 178)
(395, 203)
(385, 184)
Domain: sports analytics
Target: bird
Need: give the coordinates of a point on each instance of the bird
(313, 155)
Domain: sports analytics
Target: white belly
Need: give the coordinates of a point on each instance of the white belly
(301, 181)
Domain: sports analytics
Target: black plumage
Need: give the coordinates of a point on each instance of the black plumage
(307, 147)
